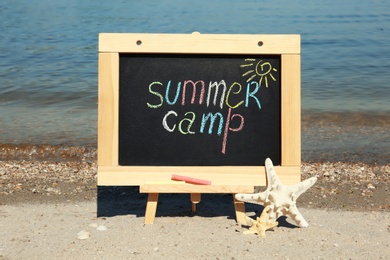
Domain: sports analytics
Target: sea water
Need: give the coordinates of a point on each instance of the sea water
(48, 63)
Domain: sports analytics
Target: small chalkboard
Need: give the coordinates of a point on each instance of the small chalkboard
(199, 110)
(212, 107)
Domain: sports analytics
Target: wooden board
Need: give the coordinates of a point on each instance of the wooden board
(112, 170)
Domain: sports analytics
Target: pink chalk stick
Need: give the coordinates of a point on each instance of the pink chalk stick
(190, 180)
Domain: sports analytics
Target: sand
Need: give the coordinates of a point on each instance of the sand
(47, 207)
(50, 231)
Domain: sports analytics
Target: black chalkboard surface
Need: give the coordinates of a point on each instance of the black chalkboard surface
(199, 110)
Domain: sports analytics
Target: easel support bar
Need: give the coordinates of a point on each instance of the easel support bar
(153, 190)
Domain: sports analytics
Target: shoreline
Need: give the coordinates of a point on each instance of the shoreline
(319, 153)
(325, 136)
(340, 185)
(82, 130)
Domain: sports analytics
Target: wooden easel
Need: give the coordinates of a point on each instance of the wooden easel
(224, 178)
(195, 191)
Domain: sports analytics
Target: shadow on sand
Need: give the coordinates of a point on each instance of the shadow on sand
(126, 200)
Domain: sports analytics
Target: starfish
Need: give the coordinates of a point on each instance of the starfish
(281, 199)
(260, 225)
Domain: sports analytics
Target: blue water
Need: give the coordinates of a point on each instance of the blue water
(48, 56)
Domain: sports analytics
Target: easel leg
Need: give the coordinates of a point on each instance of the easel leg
(239, 207)
(195, 199)
(151, 207)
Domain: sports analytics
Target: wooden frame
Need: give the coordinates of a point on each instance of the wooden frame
(225, 179)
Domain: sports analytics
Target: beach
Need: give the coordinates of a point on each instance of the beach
(340, 185)
(48, 205)
(52, 232)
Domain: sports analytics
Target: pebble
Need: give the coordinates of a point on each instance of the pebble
(83, 235)
(101, 228)
(66, 178)
(44, 177)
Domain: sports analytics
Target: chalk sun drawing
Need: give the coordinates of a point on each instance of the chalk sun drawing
(262, 69)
